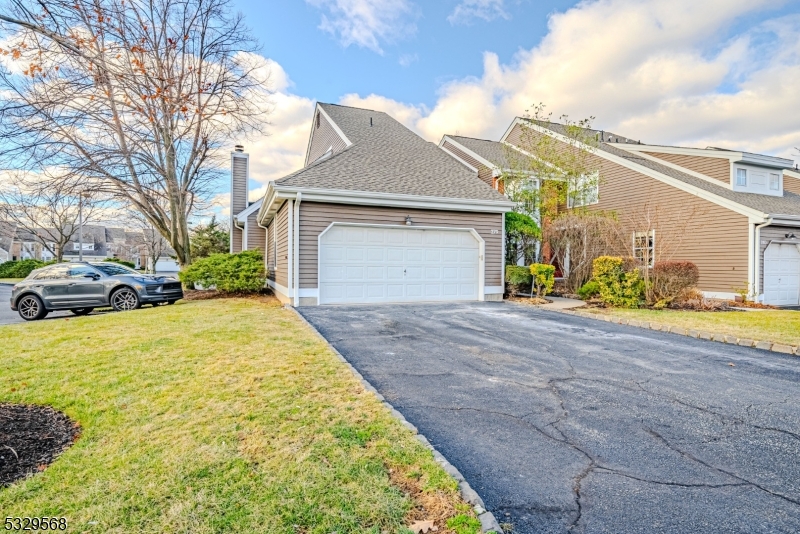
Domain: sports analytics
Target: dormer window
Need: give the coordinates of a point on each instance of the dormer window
(775, 182)
(741, 177)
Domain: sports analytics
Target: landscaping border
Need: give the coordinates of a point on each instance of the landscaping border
(697, 334)
(488, 521)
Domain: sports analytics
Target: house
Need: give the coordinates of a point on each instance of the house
(377, 214)
(736, 215)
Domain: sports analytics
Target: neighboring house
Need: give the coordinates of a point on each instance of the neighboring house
(377, 214)
(4, 255)
(734, 214)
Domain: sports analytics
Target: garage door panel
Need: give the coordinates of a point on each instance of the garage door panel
(397, 265)
(782, 274)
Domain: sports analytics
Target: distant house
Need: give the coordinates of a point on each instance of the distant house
(4, 255)
(745, 208)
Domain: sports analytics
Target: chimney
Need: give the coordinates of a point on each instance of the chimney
(240, 177)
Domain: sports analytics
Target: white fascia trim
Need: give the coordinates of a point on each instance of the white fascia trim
(791, 172)
(680, 151)
(494, 290)
(726, 185)
(339, 132)
(241, 218)
(765, 161)
(753, 214)
(472, 231)
(455, 157)
(464, 149)
(369, 198)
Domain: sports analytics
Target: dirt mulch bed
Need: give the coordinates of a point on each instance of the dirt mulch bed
(265, 296)
(533, 301)
(31, 438)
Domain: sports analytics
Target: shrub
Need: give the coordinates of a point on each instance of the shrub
(543, 278)
(128, 264)
(229, 273)
(589, 289)
(20, 269)
(517, 277)
(617, 286)
(671, 278)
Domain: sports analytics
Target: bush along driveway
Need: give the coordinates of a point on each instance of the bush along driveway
(215, 416)
(567, 424)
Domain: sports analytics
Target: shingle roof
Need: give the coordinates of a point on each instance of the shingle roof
(387, 157)
(788, 204)
(492, 151)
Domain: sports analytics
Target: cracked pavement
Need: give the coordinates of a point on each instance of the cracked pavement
(564, 424)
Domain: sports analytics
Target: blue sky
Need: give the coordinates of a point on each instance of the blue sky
(434, 53)
(679, 72)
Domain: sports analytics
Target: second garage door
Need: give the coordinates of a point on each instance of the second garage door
(782, 274)
(360, 264)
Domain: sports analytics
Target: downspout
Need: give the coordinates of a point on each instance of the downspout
(266, 243)
(296, 281)
(757, 259)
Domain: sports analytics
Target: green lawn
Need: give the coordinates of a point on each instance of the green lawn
(10, 280)
(768, 325)
(214, 416)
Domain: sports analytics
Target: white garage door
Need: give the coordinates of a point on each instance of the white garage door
(782, 275)
(373, 264)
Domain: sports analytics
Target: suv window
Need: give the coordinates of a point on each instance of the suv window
(79, 271)
(57, 272)
(112, 269)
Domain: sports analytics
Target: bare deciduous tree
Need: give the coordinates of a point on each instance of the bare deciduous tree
(49, 209)
(137, 96)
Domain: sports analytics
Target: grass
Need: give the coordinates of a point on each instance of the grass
(10, 280)
(215, 416)
(768, 325)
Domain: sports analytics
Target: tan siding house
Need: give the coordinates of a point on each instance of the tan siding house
(717, 168)
(379, 215)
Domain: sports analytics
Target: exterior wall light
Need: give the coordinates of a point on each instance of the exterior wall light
(408, 220)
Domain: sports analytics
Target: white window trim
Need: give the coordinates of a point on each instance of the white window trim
(651, 236)
(739, 174)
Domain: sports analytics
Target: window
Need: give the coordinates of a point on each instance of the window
(86, 246)
(585, 192)
(644, 247)
(775, 182)
(58, 272)
(79, 271)
(112, 269)
(741, 177)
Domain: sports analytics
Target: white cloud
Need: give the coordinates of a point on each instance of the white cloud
(366, 23)
(281, 151)
(407, 59)
(468, 10)
(657, 70)
(407, 114)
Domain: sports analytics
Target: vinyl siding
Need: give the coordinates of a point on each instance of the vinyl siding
(316, 217)
(484, 172)
(322, 139)
(768, 234)
(238, 197)
(717, 168)
(715, 238)
(790, 183)
(256, 236)
(282, 260)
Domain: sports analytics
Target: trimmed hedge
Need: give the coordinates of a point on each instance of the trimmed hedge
(618, 286)
(517, 277)
(229, 273)
(589, 289)
(21, 268)
(543, 278)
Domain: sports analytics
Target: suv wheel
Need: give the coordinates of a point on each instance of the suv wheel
(31, 308)
(125, 299)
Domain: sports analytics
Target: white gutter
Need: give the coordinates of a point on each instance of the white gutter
(296, 252)
(757, 258)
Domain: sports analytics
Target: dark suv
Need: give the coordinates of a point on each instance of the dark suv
(81, 287)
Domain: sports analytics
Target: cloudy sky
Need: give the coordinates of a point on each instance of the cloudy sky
(695, 73)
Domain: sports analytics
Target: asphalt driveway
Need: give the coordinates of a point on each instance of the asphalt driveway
(564, 424)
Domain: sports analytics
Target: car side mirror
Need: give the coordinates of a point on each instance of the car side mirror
(92, 276)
